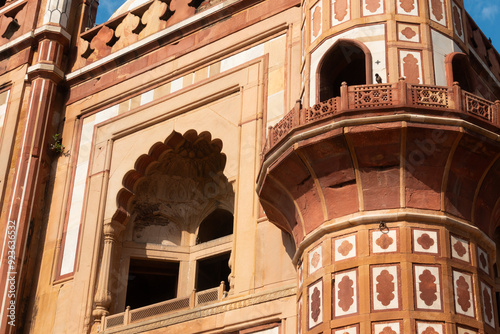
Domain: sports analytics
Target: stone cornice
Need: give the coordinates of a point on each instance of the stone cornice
(46, 31)
(48, 71)
(218, 12)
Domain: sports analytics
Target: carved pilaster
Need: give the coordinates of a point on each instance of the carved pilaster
(103, 297)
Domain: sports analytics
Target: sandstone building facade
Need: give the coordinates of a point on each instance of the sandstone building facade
(248, 166)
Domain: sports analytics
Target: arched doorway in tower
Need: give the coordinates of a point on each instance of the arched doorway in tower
(347, 60)
(458, 69)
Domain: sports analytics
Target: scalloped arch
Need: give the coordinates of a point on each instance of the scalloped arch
(190, 146)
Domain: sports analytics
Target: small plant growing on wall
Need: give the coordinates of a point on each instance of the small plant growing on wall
(57, 146)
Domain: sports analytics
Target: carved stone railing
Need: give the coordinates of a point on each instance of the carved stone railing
(480, 107)
(169, 306)
(384, 96)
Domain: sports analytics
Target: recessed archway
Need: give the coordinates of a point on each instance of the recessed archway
(458, 69)
(347, 60)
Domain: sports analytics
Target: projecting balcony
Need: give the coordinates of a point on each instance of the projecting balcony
(364, 100)
(383, 151)
(120, 321)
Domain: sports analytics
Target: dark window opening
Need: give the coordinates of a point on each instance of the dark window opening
(212, 271)
(345, 62)
(218, 224)
(151, 281)
(461, 73)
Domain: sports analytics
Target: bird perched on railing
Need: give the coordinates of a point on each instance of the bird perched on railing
(378, 78)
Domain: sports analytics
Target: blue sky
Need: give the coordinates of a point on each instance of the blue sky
(106, 8)
(484, 12)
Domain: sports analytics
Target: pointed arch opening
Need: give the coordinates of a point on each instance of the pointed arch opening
(347, 60)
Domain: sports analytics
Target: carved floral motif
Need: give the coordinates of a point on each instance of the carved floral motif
(482, 260)
(407, 5)
(345, 248)
(316, 18)
(458, 21)
(340, 9)
(411, 69)
(384, 241)
(372, 5)
(488, 308)
(315, 304)
(428, 287)
(385, 287)
(408, 32)
(429, 330)
(425, 241)
(459, 248)
(437, 9)
(315, 260)
(463, 294)
(388, 330)
(346, 293)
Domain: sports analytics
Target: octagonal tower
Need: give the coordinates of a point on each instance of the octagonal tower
(389, 181)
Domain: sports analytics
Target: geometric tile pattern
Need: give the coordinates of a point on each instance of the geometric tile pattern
(344, 248)
(425, 241)
(385, 287)
(427, 287)
(487, 304)
(460, 248)
(315, 309)
(315, 259)
(345, 294)
(429, 328)
(387, 328)
(384, 242)
(483, 261)
(463, 291)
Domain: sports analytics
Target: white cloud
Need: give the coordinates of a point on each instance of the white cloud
(490, 12)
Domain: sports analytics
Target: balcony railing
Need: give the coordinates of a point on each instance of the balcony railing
(383, 96)
(173, 305)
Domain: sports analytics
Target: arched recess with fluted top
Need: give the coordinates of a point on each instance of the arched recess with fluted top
(164, 199)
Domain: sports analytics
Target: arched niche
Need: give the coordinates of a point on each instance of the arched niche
(218, 224)
(458, 69)
(346, 60)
